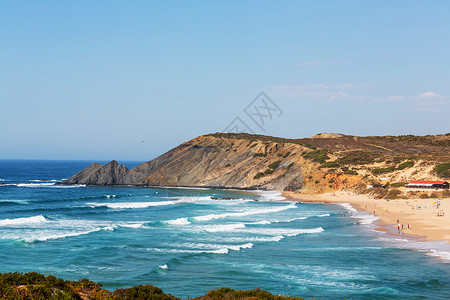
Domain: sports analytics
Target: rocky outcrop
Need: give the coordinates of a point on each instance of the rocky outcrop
(110, 174)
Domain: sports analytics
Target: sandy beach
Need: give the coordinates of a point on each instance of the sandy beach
(421, 218)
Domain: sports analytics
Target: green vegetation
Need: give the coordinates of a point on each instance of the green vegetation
(351, 172)
(268, 171)
(383, 170)
(393, 194)
(357, 158)
(406, 164)
(37, 286)
(329, 164)
(443, 170)
(287, 154)
(316, 182)
(260, 155)
(259, 175)
(227, 293)
(290, 165)
(275, 164)
(34, 286)
(319, 156)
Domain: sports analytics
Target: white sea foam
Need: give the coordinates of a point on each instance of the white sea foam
(245, 213)
(283, 231)
(347, 206)
(45, 185)
(14, 201)
(222, 228)
(131, 205)
(42, 184)
(53, 235)
(214, 249)
(132, 225)
(366, 218)
(263, 222)
(43, 180)
(270, 196)
(2, 179)
(179, 221)
(439, 249)
(137, 205)
(164, 267)
(23, 221)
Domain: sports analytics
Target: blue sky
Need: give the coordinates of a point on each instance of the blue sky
(129, 80)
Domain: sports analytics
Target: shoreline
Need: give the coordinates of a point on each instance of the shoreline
(419, 214)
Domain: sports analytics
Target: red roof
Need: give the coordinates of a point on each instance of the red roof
(427, 182)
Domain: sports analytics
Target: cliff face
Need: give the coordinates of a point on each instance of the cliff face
(323, 163)
(208, 161)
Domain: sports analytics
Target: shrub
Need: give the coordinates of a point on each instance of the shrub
(275, 164)
(329, 164)
(406, 164)
(351, 172)
(287, 154)
(290, 165)
(357, 158)
(227, 293)
(423, 196)
(279, 155)
(268, 171)
(319, 156)
(383, 170)
(442, 170)
(143, 292)
(316, 182)
(253, 145)
(258, 175)
(393, 194)
(260, 155)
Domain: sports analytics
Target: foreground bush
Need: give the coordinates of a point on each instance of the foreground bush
(37, 286)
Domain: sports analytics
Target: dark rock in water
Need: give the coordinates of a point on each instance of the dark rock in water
(110, 174)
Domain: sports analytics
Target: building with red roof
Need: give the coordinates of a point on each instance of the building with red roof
(430, 184)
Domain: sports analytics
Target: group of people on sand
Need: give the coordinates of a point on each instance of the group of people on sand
(400, 227)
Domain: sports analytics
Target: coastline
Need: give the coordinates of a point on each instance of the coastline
(420, 214)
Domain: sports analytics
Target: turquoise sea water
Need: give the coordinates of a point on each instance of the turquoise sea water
(185, 243)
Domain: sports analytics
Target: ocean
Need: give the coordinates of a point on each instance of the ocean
(186, 243)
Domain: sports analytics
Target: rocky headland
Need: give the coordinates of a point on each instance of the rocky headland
(323, 163)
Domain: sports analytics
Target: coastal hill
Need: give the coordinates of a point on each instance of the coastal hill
(323, 163)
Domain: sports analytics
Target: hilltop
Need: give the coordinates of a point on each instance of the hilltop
(322, 163)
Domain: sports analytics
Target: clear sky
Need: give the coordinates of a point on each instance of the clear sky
(129, 80)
